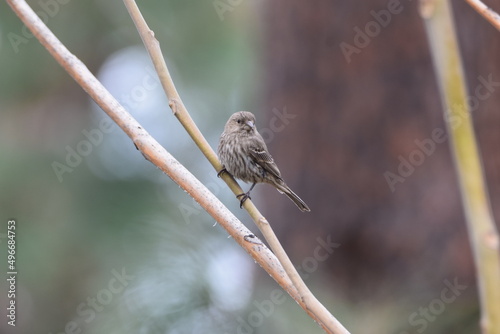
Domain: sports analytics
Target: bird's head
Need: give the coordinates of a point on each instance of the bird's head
(241, 121)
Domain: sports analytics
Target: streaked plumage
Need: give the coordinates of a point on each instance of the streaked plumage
(244, 155)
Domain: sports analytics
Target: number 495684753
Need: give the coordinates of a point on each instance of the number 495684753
(11, 244)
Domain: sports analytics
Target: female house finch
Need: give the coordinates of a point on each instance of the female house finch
(244, 155)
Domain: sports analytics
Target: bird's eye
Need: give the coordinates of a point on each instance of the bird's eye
(239, 121)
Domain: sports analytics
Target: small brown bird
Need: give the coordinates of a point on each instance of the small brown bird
(244, 155)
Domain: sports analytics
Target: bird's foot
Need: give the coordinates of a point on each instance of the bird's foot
(243, 198)
(222, 171)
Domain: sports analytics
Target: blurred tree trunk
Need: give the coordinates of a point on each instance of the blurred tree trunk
(366, 101)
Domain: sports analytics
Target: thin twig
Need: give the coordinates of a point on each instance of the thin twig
(488, 13)
(154, 152)
(482, 231)
(313, 306)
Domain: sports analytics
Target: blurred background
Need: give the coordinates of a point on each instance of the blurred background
(346, 98)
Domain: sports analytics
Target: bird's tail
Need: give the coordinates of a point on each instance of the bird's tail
(293, 196)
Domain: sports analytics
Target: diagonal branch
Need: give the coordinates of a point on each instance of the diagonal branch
(149, 147)
(321, 314)
(156, 154)
(488, 13)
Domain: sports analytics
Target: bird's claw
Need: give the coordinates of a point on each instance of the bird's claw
(244, 197)
(222, 171)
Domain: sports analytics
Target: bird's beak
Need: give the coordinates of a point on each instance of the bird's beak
(250, 124)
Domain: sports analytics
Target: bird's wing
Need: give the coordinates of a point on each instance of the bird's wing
(265, 160)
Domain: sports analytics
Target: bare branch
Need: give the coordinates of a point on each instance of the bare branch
(314, 308)
(488, 13)
(312, 305)
(155, 153)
